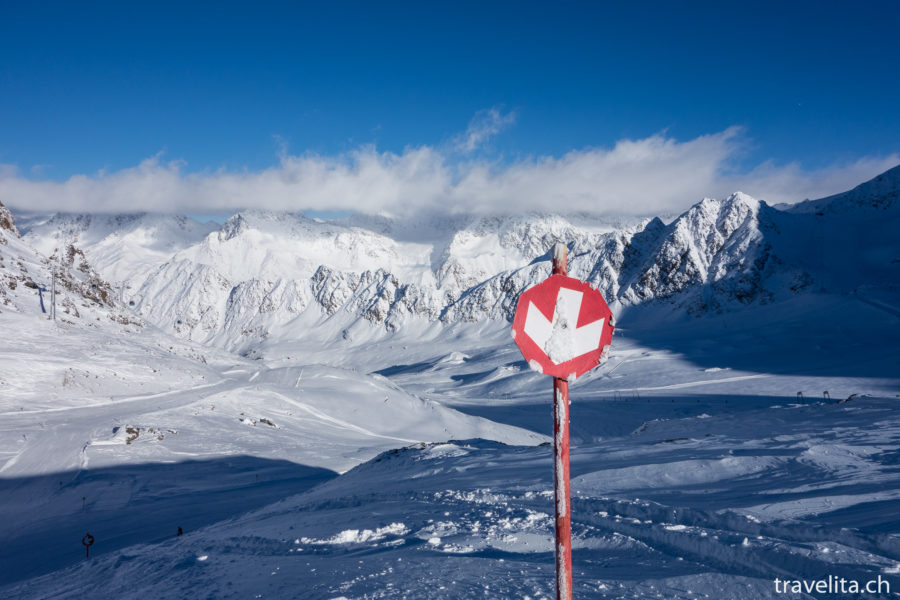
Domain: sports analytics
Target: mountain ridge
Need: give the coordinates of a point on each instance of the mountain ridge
(261, 270)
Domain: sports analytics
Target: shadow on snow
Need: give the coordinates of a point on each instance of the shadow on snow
(47, 515)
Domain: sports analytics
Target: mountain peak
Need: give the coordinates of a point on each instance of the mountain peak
(742, 198)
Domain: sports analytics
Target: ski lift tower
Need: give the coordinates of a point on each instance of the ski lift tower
(53, 294)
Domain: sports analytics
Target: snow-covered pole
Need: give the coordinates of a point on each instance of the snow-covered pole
(561, 462)
(563, 327)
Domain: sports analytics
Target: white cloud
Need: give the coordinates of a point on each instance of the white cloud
(483, 126)
(791, 183)
(655, 175)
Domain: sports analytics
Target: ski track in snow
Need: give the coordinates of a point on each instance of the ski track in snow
(879, 305)
(687, 384)
(344, 424)
(119, 402)
(55, 442)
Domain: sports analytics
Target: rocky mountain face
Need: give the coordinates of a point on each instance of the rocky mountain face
(260, 272)
(26, 279)
(7, 222)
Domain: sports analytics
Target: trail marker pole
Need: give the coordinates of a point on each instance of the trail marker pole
(563, 328)
(561, 464)
(87, 541)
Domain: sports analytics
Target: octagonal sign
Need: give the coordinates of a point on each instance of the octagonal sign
(562, 326)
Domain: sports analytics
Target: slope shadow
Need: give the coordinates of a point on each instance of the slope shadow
(816, 334)
(597, 416)
(406, 369)
(47, 515)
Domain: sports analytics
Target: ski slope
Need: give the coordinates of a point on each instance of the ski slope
(694, 475)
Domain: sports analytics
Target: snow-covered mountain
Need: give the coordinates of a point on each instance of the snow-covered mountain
(119, 246)
(879, 193)
(253, 277)
(26, 278)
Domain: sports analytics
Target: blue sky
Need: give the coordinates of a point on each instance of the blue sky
(800, 91)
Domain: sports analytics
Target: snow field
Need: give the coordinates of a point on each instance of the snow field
(372, 432)
(421, 518)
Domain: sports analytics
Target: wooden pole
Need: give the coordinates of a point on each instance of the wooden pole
(561, 463)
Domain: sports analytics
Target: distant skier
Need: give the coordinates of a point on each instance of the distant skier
(180, 531)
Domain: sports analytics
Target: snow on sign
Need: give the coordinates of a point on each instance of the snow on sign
(562, 326)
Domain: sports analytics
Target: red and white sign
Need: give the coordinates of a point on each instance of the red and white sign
(562, 326)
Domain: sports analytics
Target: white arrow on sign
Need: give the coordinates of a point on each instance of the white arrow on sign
(560, 338)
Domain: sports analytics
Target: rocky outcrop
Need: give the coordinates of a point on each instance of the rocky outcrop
(7, 222)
